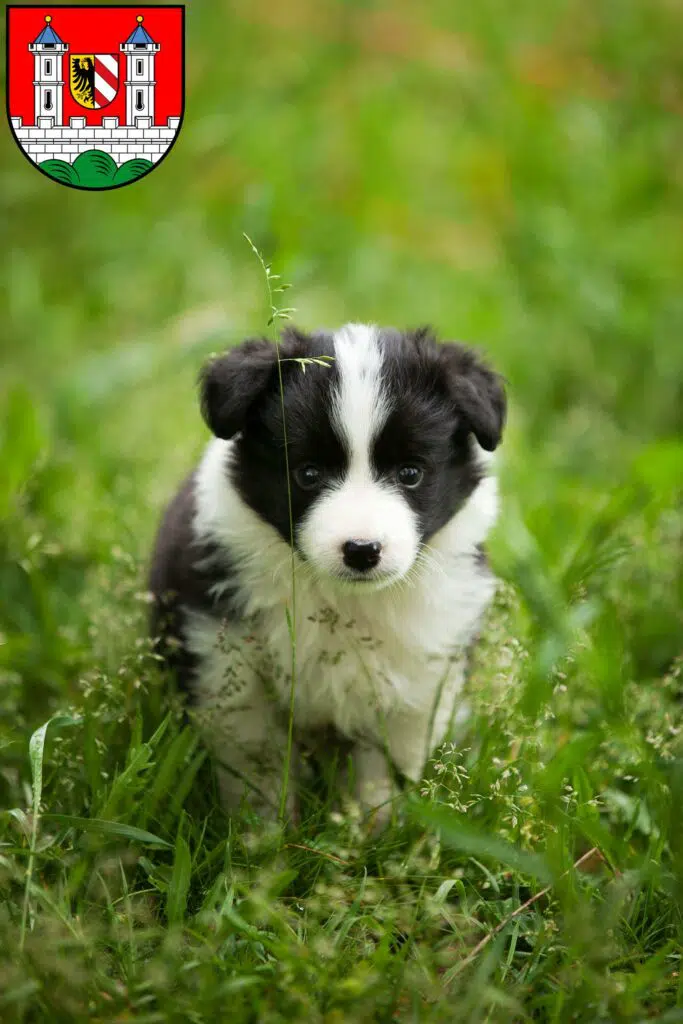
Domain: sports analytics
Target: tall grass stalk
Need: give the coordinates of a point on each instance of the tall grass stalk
(36, 749)
(275, 287)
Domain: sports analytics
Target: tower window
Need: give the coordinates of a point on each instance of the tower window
(139, 66)
(48, 67)
(139, 102)
(48, 99)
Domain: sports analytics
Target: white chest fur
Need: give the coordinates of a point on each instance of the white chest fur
(359, 656)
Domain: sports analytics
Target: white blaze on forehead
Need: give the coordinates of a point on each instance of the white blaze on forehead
(358, 506)
(361, 406)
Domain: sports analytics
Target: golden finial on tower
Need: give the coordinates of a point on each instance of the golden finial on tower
(140, 19)
(48, 18)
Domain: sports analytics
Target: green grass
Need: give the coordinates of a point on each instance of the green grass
(512, 174)
(95, 169)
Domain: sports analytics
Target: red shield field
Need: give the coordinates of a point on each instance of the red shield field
(95, 95)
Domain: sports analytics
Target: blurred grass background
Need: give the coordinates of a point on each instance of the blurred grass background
(511, 174)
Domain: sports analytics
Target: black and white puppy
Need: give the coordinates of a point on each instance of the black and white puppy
(391, 495)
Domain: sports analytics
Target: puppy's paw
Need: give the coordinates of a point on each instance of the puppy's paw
(375, 796)
(461, 718)
(377, 819)
(269, 808)
(262, 800)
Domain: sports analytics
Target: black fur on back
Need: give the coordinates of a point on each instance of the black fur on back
(181, 576)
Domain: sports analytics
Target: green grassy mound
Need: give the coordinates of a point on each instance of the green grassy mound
(95, 169)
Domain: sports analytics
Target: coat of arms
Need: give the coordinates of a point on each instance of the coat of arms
(65, 64)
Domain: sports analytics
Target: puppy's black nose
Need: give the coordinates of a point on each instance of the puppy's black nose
(361, 554)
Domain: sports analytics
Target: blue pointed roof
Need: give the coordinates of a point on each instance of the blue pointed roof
(48, 35)
(140, 36)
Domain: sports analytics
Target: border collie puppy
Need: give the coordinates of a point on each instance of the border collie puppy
(387, 436)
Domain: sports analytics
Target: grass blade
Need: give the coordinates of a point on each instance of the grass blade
(36, 753)
(464, 837)
(176, 900)
(109, 828)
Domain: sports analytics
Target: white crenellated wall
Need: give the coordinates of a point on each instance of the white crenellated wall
(45, 142)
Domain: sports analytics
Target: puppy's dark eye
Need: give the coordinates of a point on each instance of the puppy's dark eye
(410, 476)
(308, 477)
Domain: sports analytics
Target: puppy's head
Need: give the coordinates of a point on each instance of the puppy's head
(384, 436)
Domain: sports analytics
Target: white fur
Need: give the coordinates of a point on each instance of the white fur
(379, 666)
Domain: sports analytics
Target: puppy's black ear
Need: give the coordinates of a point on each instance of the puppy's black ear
(229, 384)
(477, 394)
(232, 383)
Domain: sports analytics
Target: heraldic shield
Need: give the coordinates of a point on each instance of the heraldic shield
(95, 95)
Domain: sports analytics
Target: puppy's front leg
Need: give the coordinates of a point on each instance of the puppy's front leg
(250, 748)
(412, 735)
(372, 782)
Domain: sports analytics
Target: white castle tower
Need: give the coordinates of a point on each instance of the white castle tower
(140, 50)
(48, 50)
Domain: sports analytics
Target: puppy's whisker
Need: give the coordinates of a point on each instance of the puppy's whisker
(427, 561)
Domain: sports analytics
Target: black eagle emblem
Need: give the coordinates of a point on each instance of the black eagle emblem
(83, 80)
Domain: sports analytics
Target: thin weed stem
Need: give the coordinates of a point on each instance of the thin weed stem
(283, 313)
(593, 854)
